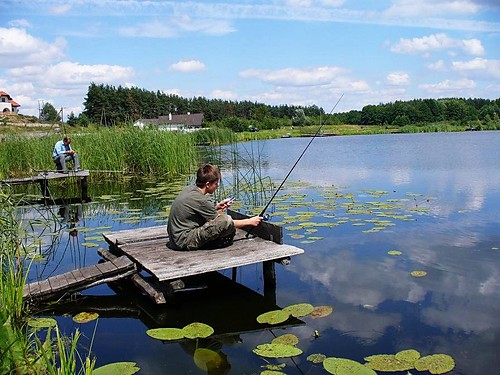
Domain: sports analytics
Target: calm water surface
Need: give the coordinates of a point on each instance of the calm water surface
(434, 197)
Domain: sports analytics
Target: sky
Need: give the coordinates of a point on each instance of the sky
(295, 52)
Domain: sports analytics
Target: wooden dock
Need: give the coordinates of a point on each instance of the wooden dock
(79, 279)
(146, 249)
(43, 177)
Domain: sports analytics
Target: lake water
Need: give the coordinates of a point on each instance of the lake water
(434, 198)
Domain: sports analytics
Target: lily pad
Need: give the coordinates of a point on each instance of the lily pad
(298, 310)
(321, 311)
(410, 355)
(344, 366)
(394, 252)
(207, 360)
(42, 322)
(316, 358)
(117, 368)
(166, 333)
(277, 350)
(435, 364)
(197, 330)
(418, 273)
(287, 338)
(388, 363)
(85, 317)
(273, 317)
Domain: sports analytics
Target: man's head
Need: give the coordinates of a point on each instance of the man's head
(66, 140)
(208, 177)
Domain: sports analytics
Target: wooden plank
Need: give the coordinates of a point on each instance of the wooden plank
(136, 235)
(44, 175)
(167, 264)
(82, 278)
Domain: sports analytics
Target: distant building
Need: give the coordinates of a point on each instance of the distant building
(7, 104)
(188, 122)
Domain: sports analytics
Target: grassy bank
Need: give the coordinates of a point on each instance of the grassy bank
(132, 151)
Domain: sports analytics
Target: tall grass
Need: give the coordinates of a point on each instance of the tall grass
(129, 150)
(20, 351)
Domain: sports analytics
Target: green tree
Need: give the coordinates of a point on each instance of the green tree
(71, 120)
(49, 113)
(299, 119)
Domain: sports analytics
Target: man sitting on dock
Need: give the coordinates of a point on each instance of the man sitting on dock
(195, 223)
(63, 153)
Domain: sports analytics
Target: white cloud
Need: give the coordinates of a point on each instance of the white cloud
(426, 8)
(18, 48)
(60, 9)
(398, 78)
(438, 66)
(448, 86)
(175, 26)
(437, 42)
(483, 67)
(20, 23)
(296, 77)
(187, 66)
(224, 95)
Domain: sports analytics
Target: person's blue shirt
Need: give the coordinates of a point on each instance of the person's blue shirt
(60, 148)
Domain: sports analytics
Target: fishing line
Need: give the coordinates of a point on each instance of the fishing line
(262, 213)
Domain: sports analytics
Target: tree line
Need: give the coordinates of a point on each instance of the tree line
(107, 105)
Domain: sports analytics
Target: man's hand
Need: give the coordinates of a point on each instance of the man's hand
(224, 204)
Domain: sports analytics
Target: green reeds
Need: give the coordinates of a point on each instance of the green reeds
(20, 351)
(127, 150)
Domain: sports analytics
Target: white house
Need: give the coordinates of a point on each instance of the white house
(188, 122)
(7, 105)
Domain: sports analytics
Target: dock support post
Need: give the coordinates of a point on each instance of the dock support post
(44, 186)
(83, 183)
(269, 272)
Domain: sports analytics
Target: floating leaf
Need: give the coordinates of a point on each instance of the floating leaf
(435, 364)
(197, 330)
(85, 317)
(275, 367)
(166, 333)
(387, 363)
(316, 358)
(277, 350)
(394, 252)
(42, 322)
(321, 311)
(410, 355)
(207, 360)
(418, 273)
(344, 366)
(273, 317)
(298, 310)
(287, 338)
(117, 368)
(90, 244)
(272, 372)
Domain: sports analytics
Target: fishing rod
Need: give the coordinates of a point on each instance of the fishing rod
(262, 213)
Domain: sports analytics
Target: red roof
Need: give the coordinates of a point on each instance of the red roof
(3, 93)
(13, 103)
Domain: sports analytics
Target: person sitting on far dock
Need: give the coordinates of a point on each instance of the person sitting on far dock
(63, 153)
(195, 222)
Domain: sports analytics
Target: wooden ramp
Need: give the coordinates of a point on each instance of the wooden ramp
(80, 279)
